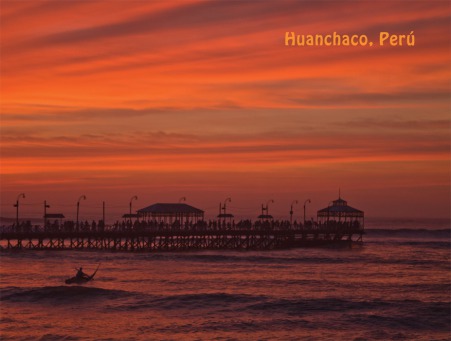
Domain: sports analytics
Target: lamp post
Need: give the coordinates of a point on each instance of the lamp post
(135, 198)
(267, 207)
(45, 214)
(305, 203)
(182, 199)
(225, 206)
(291, 211)
(21, 195)
(83, 197)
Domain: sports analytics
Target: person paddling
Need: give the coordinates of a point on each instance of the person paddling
(80, 274)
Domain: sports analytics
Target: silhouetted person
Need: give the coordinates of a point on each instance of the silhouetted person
(80, 274)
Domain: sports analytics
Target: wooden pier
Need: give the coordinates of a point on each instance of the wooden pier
(181, 240)
(181, 227)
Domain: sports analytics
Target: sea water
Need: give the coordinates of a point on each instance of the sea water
(395, 287)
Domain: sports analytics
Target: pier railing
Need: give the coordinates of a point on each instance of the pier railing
(180, 239)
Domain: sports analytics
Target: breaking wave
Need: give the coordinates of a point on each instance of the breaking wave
(55, 294)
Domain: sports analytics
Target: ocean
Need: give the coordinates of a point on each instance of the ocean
(396, 286)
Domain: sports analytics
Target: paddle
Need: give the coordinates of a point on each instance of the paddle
(92, 276)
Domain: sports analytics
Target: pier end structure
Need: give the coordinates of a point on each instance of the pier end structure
(180, 227)
(339, 215)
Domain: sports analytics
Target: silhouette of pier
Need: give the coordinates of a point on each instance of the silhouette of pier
(180, 240)
(181, 227)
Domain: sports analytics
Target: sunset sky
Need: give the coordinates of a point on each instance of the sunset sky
(202, 99)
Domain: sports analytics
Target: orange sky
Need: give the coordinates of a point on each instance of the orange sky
(202, 99)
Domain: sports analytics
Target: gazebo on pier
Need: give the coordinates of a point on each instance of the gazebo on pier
(340, 214)
(170, 213)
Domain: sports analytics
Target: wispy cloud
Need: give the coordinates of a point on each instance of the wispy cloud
(208, 87)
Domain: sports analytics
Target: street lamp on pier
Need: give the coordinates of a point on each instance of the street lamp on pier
(21, 195)
(224, 207)
(133, 198)
(46, 206)
(83, 197)
(291, 211)
(182, 199)
(266, 208)
(305, 204)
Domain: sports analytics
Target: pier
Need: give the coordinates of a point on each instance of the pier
(181, 227)
(181, 240)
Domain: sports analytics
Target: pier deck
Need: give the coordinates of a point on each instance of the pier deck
(181, 240)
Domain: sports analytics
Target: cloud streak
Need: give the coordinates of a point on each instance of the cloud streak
(208, 87)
